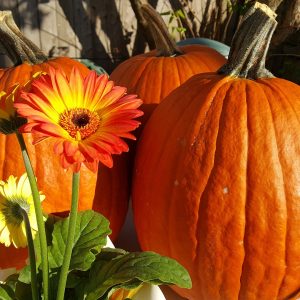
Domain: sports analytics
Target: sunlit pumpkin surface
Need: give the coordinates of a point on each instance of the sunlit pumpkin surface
(152, 78)
(217, 186)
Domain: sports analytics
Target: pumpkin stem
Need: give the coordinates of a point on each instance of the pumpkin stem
(16, 45)
(250, 44)
(164, 44)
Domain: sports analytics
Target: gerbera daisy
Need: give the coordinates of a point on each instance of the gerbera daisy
(15, 197)
(88, 116)
(9, 120)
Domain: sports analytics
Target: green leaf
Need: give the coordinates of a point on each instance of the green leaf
(25, 275)
(14, 289)
(90, 236)
(131, 269)
(166, 13)
(6, 293)
(181, 29)
(180, 14)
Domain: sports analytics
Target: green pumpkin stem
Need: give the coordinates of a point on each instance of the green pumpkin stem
(165, 45)
(250, 44)
(16, 45)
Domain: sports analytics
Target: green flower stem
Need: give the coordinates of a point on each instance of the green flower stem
(34, 287)
(39, 214)
(70, 240)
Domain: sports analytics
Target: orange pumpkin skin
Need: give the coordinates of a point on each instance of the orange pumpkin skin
(152, 78)
(96, 192)
(24, 72)
(112, 193)
(217, 187)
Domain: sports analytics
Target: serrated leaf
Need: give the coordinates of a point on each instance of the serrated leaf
(131, 269)
(90, 236)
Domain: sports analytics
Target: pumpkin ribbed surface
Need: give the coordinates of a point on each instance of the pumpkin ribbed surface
(217, 186)
(24, 72)
(152, 78)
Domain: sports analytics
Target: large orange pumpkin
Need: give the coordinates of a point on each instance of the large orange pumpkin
(103, 191)
(216, 183)
(153, 75)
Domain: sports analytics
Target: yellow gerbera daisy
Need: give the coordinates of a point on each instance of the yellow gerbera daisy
(9, 120)
(88, 116)
(15, 196)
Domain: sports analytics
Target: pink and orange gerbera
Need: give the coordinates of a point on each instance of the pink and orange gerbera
(88, 116)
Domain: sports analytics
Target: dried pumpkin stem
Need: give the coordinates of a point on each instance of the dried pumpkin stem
(136, 6)
(70, 240)
(16, 45)
(38, 213)
(250, 44)
(165, 45)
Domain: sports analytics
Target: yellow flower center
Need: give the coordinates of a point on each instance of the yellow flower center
(80, 123)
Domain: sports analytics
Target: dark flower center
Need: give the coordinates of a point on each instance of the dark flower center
(12, 211)
(80, 123)
(81, 120)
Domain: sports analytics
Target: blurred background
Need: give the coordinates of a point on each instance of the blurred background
(107, 31)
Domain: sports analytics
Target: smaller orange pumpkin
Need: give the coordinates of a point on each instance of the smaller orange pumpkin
(153, 75)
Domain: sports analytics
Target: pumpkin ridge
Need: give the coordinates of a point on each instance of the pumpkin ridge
(284, 187)
(246, 253)
(181, 65)
(208, 189)
(176, 62)
(199, 209)
(160, 63)
(132, 65)
(144, 74)
(171, 132)
(190, 66)
(283, 178)
(175, 171)
(282, 95)
(253, 283)
(244, 263)
(204, 62)
(246, 192)
(278, 87)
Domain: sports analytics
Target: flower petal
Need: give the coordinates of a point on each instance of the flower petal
(88, 117)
